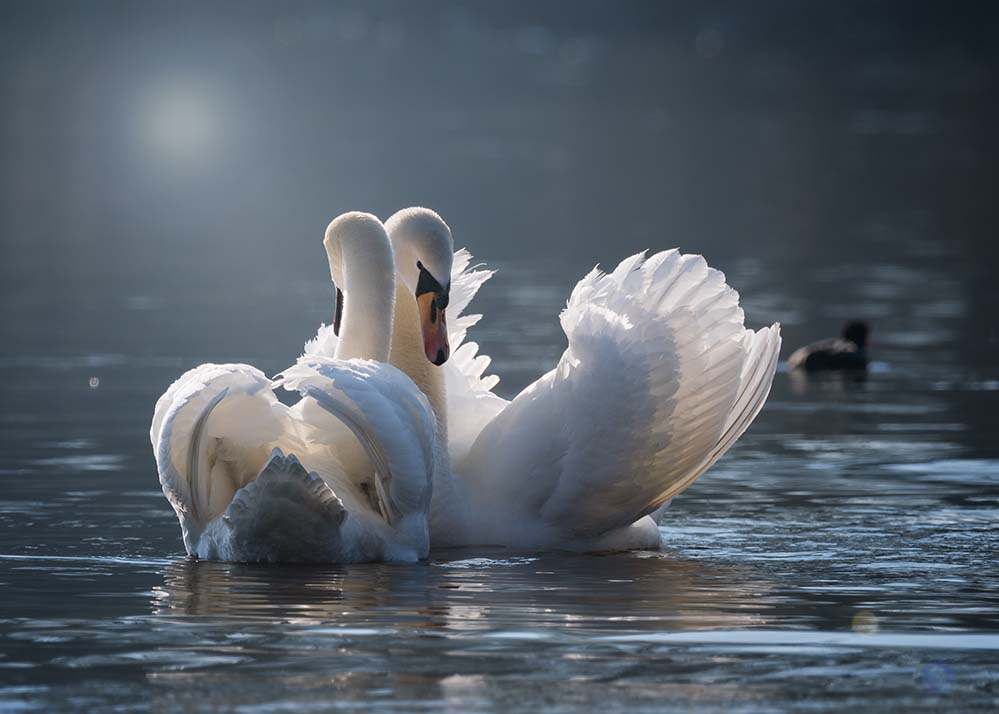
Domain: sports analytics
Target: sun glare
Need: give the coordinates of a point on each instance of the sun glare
(182, 124)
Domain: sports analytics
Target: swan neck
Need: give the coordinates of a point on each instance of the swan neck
(368, 287)
(408, 355)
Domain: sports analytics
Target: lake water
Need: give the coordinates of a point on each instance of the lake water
(167, 173)
(844, 551)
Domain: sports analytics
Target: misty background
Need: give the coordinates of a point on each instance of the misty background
(158, 158)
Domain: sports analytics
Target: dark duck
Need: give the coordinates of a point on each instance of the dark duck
(848, 352)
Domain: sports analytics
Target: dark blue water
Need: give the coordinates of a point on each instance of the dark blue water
(844, 552)
(167, 174)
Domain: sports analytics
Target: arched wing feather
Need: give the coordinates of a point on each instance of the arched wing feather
(389, 416)
(659, 379)
(469, 389)
(212, 432)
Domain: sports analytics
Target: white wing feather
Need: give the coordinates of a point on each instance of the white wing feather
(659, 379)
(387, 413)
(212, 433)
(219, 433)
(323, 344)
(470, 398)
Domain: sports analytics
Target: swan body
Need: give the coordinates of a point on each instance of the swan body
(344, 475)
(659, 379)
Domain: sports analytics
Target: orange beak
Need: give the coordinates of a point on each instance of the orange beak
(434, 326)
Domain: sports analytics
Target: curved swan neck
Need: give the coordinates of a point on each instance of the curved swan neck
(363, 268)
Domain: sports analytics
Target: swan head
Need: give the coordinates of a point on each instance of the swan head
(363, 237)
(424, 250)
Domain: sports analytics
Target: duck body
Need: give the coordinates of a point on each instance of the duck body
(833, 354)
(846, 353)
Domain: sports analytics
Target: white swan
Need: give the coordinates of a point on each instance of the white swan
(659, 379)
(355, 485)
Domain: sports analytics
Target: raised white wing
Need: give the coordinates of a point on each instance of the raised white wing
(388, 415)
(220, 437)
(212, 433)
(659, 379)
(470, 399)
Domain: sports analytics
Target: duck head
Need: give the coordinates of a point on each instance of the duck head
(856, 332)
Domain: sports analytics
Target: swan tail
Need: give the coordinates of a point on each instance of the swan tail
(286, 514)
(212, 431)
(659, 379)
(387, 414)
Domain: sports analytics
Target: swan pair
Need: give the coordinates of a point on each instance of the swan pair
(397, 440)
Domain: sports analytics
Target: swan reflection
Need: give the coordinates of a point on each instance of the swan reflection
(460, 592)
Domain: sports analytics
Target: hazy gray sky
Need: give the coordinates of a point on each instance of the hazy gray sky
(143, 140)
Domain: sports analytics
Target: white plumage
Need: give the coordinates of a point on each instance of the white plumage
(344, 475)
(220, 437)
(659, 379)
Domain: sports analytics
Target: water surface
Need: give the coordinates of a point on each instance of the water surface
(837, 161)
(843, 551)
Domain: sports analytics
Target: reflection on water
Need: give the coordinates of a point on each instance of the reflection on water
(495, 594)
(494, 631)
